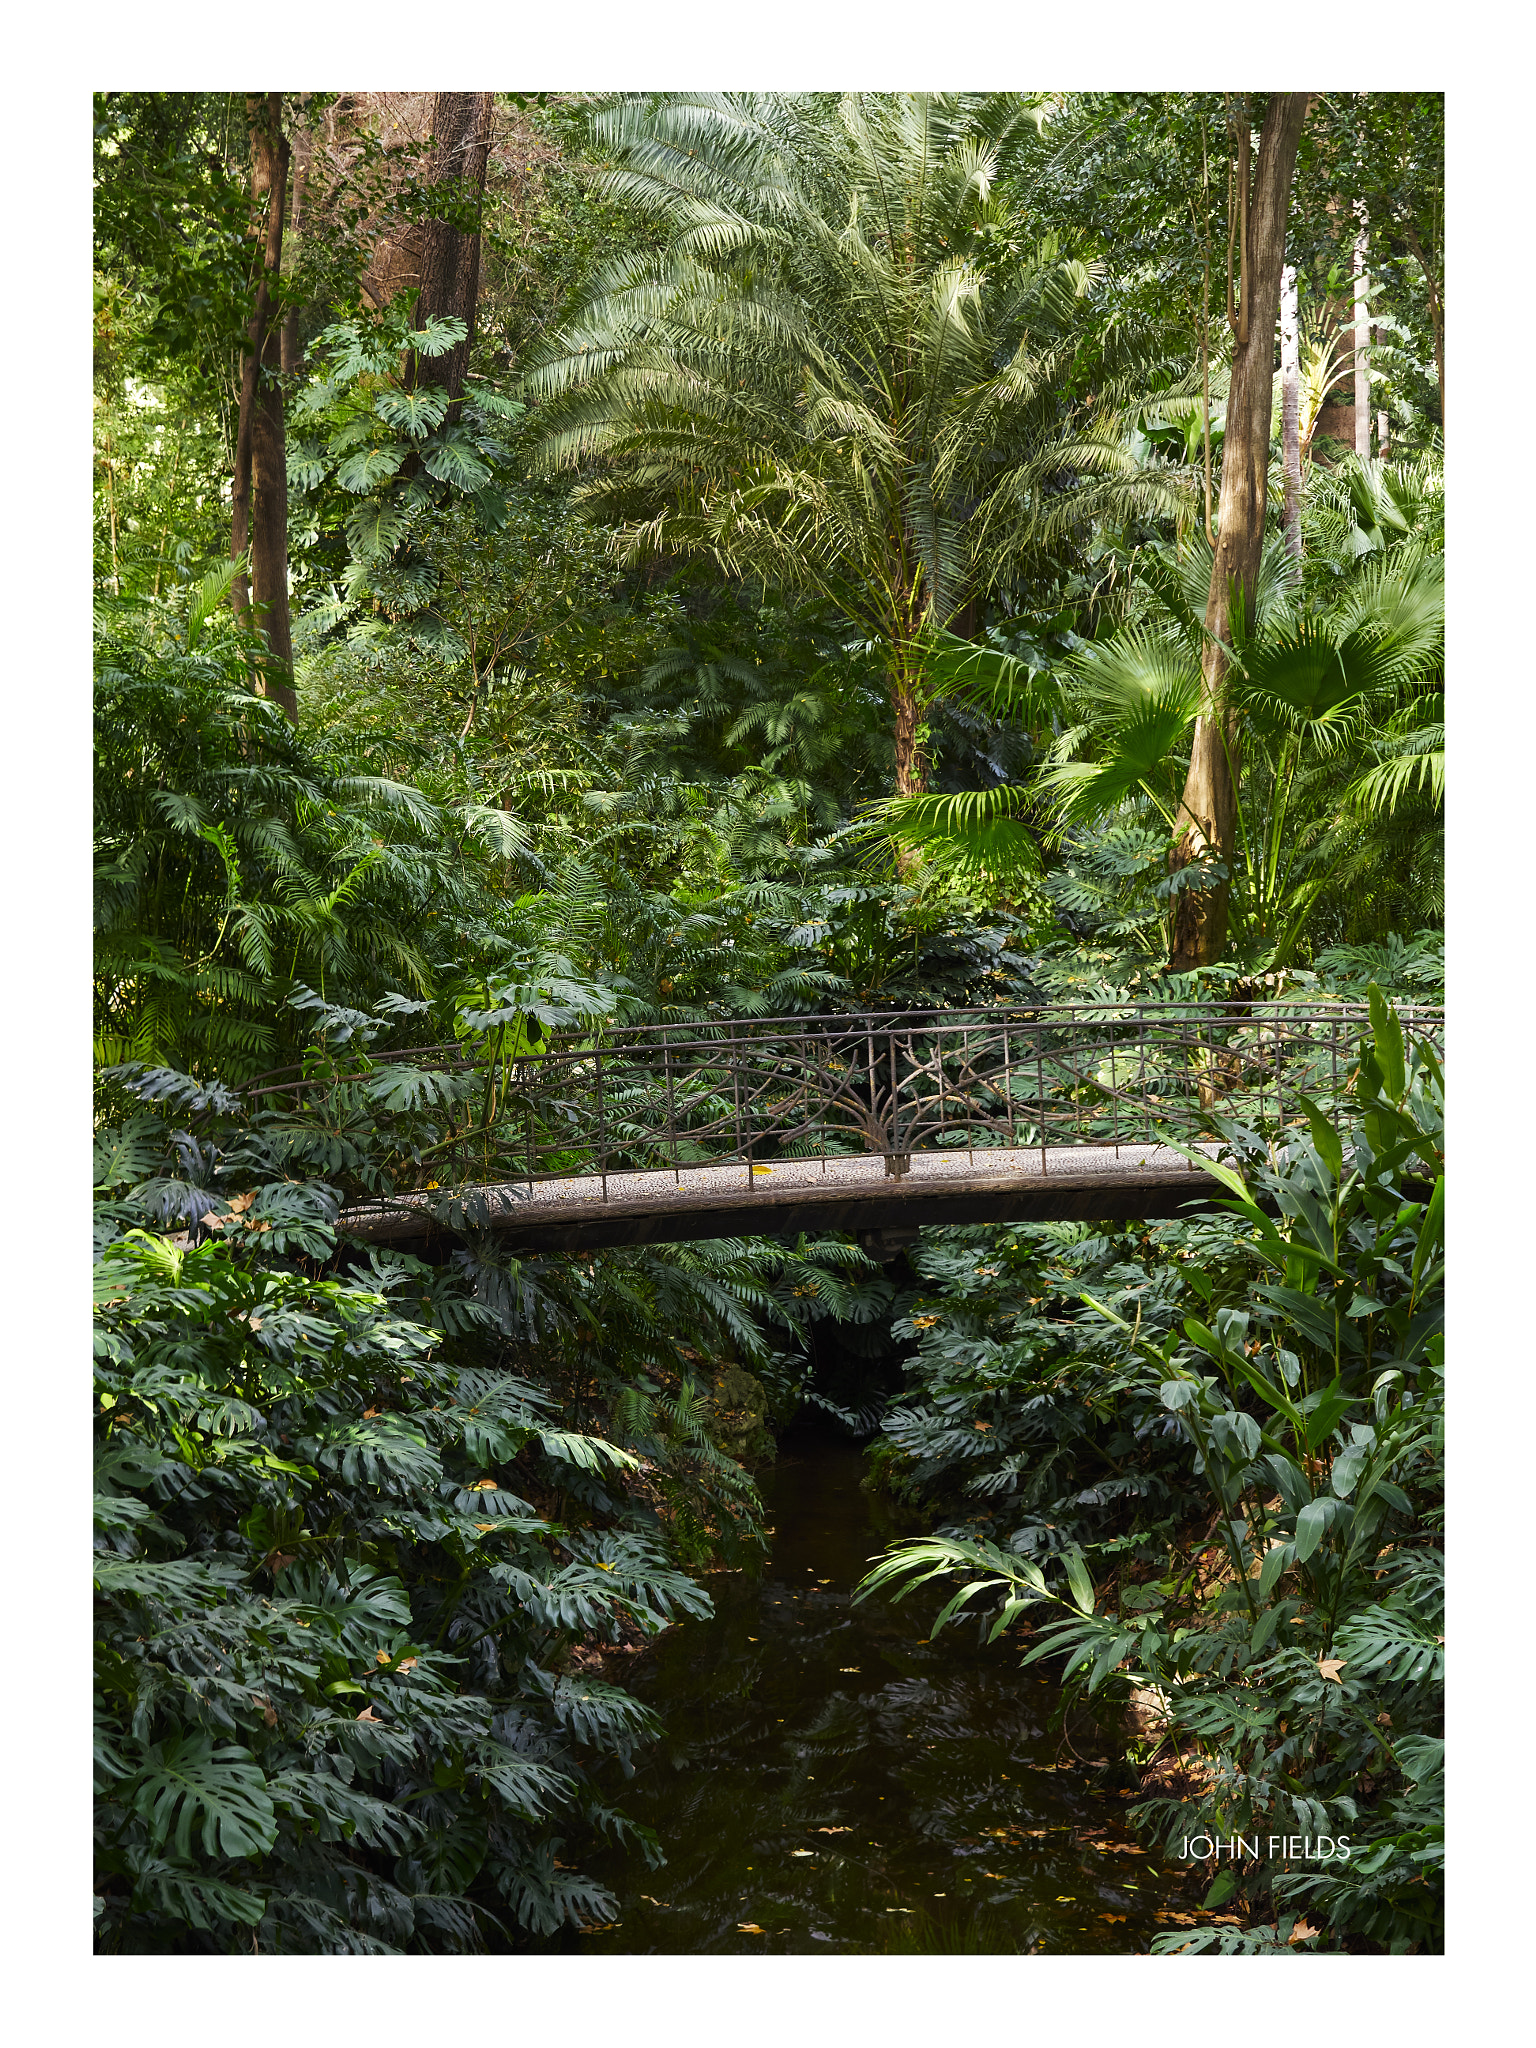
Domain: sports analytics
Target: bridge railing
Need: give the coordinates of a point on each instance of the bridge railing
(750, 1093)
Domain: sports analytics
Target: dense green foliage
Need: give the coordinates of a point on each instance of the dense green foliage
(1216, 1449)
(805, 436)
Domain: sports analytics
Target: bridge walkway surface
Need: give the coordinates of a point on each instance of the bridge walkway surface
(1072, 1183)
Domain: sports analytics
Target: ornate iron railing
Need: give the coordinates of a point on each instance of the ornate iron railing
(748, 1092)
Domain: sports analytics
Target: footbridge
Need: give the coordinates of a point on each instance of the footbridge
(874, 1124)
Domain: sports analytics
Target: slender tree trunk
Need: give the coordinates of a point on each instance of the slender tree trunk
(1208, 809)
(1362, 346)
(1383, 432)
(260, 492)
(450, 261)
(303, 149)
(1290, 409)
(1436, 310)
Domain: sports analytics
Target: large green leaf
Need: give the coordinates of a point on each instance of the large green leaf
(188, 1785)
(374, 528)
(454, 459)
(416, 413)
(368, 467)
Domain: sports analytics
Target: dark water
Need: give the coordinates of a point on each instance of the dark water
(833, 1780)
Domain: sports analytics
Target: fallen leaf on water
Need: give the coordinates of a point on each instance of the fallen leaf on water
(802, 1852)
(656, 1902)
(749, 1927)
(1111, 1916)
(848, 1667)
(834, 1831)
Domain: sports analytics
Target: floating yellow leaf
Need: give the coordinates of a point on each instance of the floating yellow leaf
(749, 1927)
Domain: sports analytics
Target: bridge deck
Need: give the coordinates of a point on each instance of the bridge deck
(1065, 1183)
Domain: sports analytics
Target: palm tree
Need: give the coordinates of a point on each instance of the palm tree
(839, 372)
(1336, 708)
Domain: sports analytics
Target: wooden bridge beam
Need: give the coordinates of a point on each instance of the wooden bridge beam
(1102, 1196)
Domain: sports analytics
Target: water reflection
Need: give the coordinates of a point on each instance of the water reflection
(830, 1781)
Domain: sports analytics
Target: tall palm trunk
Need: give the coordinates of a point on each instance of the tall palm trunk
(907, 707)
(1290, 409)
(1362, 345)
(1208, 810)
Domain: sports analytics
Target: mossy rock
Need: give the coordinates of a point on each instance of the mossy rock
(736, 1415)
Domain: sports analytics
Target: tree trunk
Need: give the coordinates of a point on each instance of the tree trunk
(1208, 809)
(1436, 311)
(907, 706)
(450, 261)
(268, 259)
(259, 496)
(1290, 409)
(303, 147)
(1362, 347)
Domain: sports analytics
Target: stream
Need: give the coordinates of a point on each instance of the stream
(829, 1781)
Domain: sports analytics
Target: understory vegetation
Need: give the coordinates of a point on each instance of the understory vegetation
(774, 584)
